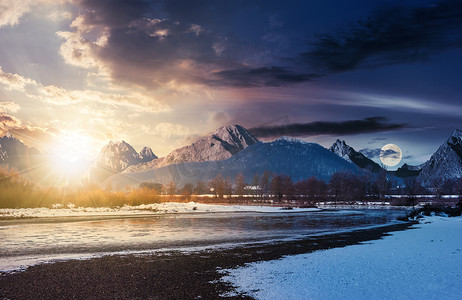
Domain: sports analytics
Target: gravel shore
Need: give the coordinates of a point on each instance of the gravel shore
(165, 275)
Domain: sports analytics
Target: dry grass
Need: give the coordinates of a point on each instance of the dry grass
(16, 192)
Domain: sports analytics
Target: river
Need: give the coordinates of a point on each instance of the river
(46, 239)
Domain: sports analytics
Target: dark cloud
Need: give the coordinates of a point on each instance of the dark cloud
(256, 77)
(113, 12)
(7, 122)
(408, 157)
(373, 141)
(367, 125)
(391, 36)
(214, 43)
(162, 43)
(371, 153)
(389, 153)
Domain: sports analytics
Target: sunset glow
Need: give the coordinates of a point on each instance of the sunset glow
(162, 74)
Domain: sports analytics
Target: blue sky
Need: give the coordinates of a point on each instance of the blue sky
(162, 73)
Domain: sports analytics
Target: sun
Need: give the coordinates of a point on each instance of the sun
(390, 155)
(71, 154)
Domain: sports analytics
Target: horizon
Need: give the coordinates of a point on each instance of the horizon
(70, 160)
(165, 73)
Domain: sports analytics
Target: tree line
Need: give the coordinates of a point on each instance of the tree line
(342, 187)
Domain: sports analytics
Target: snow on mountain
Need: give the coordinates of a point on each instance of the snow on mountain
(295, 158)
(445, 163)
(351, 155)
(147, 155)
(225, 142)
(117, 156)
(222, 144)
(342, 149)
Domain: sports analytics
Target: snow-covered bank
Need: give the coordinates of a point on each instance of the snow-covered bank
(424, 263)
(160, 208)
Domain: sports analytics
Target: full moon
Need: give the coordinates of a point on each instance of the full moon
(390, 155)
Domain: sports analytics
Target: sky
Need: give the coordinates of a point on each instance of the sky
(75, 74)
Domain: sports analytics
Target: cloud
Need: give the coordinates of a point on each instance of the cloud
(11, 107)
(177, 46)
(61, 96)
(14, 81)
(8, 122)
(367, 125)
(169, 130)
(376, 153)
(12, 10)
(273, 76)
(371, 153)
(394, 35)
(373, 141)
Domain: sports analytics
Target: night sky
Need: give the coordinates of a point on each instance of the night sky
(76, 74)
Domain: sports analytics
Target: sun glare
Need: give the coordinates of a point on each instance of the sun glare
(72, 153)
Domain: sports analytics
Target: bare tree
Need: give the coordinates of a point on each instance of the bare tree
(276, 187)
(218, 186)
(240, 185)
(187, 190)
(200, 188)
(265, 183)
(256, 185)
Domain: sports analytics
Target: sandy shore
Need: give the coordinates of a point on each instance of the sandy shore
(166, 275)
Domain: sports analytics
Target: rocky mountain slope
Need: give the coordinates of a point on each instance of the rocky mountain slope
(117, 156)
(298, 159)
(445, 163)
(348, 153)
(225, 142)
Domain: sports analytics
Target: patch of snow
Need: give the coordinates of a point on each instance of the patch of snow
(158, 208)
(423, 263)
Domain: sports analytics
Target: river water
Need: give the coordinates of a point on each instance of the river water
(27, 243)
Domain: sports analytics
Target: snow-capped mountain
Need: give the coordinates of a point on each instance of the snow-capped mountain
(348, 153)
(222, 144)
(445, 163)
(225, 142)
(408, 171)
(146, 155)
(117, 156)
(298, 159)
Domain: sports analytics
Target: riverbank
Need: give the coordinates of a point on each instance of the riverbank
(424, 263)
(165, 275)
(142, 210)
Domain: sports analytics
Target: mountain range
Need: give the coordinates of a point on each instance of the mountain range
(231, 150)
(292, 157)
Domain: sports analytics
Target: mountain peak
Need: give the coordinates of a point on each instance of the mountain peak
(118, 155)
(342, 149)
(457, 133)
(147, 155)
(225, 142)
(236, 136)
(445, 163)
(347, 152)
(9, 135)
